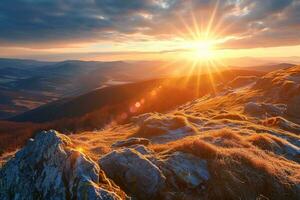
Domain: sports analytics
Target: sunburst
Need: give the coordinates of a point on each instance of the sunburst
(201, 40)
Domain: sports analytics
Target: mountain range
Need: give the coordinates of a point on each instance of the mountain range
(28, 84)
(227, 135)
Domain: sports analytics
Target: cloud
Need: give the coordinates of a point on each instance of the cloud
(60, 23)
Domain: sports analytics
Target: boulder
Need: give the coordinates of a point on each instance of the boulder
(288, 126)
(274, 109)
(48, 167)
(157, 124)
(186, 169)
(259, 109)
(252, 108)
(131, 141)
(143, 150)
(293, 107)
(146, 175)
(133, 172)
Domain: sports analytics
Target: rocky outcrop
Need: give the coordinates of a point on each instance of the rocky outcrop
(133, 172)
(293, 107)
(163, 128)
(131, 141)
(145, 175)
(185, 170)
(156, 124)
(49, 167)
(288, 125)
(264, 109)
(253, 108)
(280, 85)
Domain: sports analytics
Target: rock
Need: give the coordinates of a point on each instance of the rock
(49, 168)
(276, 145)
(293, 107)
(290, 151)
(142, 150)
(133, 172)
(259, 109)
(159, 124)
(148, 176)
(288, 126)
(274, 109)
(141, 118)
(241, 81)
(162, 128)
(253, 108)
(186, 169)
(131, 141)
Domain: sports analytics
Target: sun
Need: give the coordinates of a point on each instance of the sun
(203, 50)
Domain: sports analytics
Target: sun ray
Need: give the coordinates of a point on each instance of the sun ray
(211, 20)
(199, 41)
(198, 84)
(212, 81)
(190, 72)
(195, 24)
(191, 32)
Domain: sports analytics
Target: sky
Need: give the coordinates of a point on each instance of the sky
(148, 29)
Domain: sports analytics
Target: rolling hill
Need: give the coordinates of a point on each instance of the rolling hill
(28, 84)
(126, 94)
(238, 139)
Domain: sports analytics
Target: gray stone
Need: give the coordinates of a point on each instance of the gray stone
(49, 168)
(258, 109)
(288, 125)
(274, 109)
(293, 108)
(133, 172)
(142, 150)
(253, 108)
(186, 169)
(131, 141)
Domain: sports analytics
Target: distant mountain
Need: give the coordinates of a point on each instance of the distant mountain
(22, 63)
(270, 67)
(111, 101)
(259, 61)
(27, 84)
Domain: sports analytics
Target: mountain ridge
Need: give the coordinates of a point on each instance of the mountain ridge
(241, 141)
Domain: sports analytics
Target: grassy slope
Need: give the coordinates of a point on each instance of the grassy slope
(247, 157)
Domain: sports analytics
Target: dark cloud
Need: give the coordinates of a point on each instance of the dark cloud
(262, 9)
(54, 22)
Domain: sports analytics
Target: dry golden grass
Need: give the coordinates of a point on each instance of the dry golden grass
(14, 135)
(156, 125)
(97, 143)
(242, 171)
(266, 141)
(231, 116)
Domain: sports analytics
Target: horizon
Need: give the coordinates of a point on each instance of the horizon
(246, 61)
